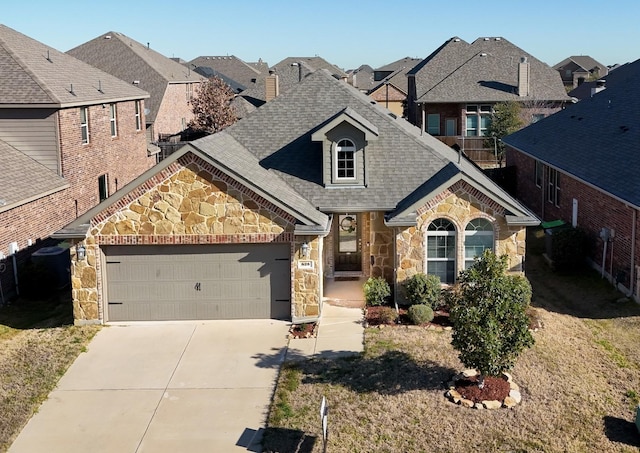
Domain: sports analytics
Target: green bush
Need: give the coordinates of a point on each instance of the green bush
(424, 290)
(569, 249)
(376, 291)
(388, 315)
(420, 314)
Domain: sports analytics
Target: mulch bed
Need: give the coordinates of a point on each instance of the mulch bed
(375, 317)
(305, 330)
(495, 388)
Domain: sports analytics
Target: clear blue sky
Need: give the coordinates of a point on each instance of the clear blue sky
(347, 33)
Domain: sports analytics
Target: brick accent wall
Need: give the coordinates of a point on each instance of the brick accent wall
(596, 210)
(175, 111)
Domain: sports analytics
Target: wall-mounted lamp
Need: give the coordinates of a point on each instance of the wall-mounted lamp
(305, 249)
(81, 252)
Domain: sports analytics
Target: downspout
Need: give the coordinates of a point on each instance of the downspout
(395, 268)
(423, 128)
(633, 252)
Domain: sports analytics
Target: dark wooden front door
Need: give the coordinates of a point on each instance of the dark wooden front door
(348, 242)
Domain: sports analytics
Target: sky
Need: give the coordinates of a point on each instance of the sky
(346, 33)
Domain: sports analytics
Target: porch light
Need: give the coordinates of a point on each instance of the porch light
(305, 249)
(81, 252)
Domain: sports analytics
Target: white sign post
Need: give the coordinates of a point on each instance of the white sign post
(323, 418)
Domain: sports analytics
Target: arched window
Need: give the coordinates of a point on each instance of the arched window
(478, 236)
(345, 159)
(441, 250)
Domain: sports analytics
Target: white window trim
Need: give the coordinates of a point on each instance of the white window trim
(435, 233)
(138, 116)
(479, 111)
(337, 150)
(553, 189)
(113, 119)
(475, 232)
(437, 132)
(84, 126)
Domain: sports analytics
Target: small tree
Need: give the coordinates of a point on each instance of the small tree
(491, 326)
(504, 121)
(212, 106)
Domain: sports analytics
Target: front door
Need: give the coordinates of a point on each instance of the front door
(348, 242)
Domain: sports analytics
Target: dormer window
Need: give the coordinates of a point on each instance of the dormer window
(345, 160)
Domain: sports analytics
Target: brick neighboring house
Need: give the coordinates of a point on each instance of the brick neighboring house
(391, 87)
(451, 93)
(576, 70)
(248, 224)
(171, 85)
(581, 165)
(70, 136)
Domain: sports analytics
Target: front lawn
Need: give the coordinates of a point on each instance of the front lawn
(580, 384)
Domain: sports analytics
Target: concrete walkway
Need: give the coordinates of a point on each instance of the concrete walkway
(170, 387)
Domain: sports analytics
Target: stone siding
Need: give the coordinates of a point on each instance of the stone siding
(459, 204)
(381, 249)
(189, 202)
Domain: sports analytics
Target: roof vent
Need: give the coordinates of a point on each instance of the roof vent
(486, 39)
(456, 40)
(136, 82)
(498, 39)
(483, 54)
(107, 37)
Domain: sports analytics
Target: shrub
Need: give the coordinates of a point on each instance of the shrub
(424, 290)
(388, 315)
(489, 316)
(376, 291)
(420, 314)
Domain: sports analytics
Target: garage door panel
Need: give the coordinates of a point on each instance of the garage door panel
(198, 282)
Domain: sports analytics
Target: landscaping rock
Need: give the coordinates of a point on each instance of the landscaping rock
(509, 402)
(515, 394)
(467, 403)
(492, 404)
(469, 373)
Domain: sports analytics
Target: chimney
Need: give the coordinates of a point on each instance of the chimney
(600, 85)
(523, 77)
(272, 87)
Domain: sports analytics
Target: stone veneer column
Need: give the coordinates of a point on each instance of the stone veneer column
(306, 284)
(84, 285)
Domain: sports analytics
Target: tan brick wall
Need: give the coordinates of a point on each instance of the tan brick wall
(174, 112)
(459, 204)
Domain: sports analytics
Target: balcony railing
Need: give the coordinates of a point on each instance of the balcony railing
(475, 148)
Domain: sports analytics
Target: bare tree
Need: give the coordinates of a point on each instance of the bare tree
(212, 107)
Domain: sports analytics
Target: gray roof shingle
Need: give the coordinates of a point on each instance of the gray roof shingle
(584, 61)
(484, 71)
(22, 179)
(233, 67)
(131, 61)
(597, 140)
(32, 73)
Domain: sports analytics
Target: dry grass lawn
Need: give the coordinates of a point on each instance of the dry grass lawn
(37, 344)
(580, 384)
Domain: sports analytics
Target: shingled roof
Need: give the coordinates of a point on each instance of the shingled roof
(584, 61)
(596, 140)
(133, 62)
(484, 71)
(399, 161)
(34, 74)
(233, 67)
(22, 179)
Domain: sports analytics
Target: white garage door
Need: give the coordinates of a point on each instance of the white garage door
(184, 282)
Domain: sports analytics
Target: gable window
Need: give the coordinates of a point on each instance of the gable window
(84, 124)
(103, 187)
(539, 171)
(478, 237)
(113, 120)
(433, 123)
(345, 160)
(138, 116)
(441, 250)
(553, 187)
(478, 119)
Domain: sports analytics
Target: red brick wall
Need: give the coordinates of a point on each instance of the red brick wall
(122, 158)
(596, 210)
(173, 109)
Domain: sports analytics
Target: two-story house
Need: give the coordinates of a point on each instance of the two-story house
(451, 93)
(171, 85)
(581, 165)
(70, 136)
(250, 222)
(576, 70)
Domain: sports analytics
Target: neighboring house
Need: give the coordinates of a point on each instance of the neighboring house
(581, 165)
(391, 90)
(318, 183)
(576, 70)
(170, 84)
(70, 136)
(588, 89)
(451, 93)
(246, 74)
(361, 78)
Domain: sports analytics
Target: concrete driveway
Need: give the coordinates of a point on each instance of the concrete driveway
(170, 387)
